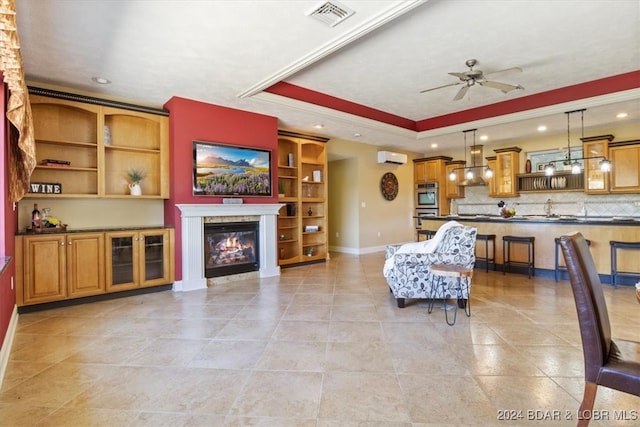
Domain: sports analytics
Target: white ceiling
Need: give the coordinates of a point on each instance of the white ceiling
(228, 52)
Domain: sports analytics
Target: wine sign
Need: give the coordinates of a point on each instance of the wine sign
(45, 187)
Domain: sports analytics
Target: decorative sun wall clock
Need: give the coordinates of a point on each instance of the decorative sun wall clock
(389, 186)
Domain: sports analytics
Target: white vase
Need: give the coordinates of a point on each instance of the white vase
(135, 189)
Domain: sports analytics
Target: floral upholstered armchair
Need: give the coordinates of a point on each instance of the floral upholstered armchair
(409, 274)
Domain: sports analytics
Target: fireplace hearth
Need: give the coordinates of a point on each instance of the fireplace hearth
(231, 248)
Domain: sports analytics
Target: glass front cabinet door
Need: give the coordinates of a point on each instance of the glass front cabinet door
(139, 259)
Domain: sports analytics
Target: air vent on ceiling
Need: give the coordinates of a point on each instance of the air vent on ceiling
(330, 12)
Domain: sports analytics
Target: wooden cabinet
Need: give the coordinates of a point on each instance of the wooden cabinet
(54, 267)
(93, 146)
(595, 180)
(491, 181)
(452, 189)
(136, 259)
(59, 266)
(507, 166)
(625, 171)
(302, 186)
(430, 169)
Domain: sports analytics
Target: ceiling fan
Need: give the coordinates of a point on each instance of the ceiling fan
(471, 77)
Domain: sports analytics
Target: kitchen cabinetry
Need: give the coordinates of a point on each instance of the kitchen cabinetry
(138, 259)
(430, 169)
(595, 180)
(452, 189)
(625, 173)
(491, 182)
(302, 186)
(93, 146)
(53, 267)
(60, 266)
(507, 166)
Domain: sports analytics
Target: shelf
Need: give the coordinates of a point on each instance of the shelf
(560, 181)
(133, 149)
(66, 168)
(67, 143)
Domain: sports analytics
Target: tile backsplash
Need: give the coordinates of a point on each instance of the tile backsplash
(477, 201)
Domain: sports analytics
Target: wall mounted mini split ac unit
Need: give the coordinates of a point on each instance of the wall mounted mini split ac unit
(390, 157)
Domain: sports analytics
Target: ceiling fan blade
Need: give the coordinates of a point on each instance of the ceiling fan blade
(504, 87)
(506, 70)
(461, 76)
(461, 93)
(440, 87)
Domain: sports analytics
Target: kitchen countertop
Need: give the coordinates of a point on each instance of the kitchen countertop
(541, 219)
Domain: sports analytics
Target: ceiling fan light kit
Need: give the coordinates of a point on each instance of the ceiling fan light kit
(471, 77)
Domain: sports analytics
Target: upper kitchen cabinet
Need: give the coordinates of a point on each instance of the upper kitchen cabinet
(87, 148)
(452, 187)
(625, 172)
(507, 166)
(430, 169)
(491, 182)
(595, 180)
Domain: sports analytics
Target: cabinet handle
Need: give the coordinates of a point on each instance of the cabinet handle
(61, 243)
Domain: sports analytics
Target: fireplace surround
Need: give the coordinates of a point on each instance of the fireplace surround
(192, 220)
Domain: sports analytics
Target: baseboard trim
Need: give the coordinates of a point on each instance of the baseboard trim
(7, 344)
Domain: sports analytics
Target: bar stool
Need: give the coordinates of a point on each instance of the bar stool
(488, 238)
(456, 271)
(615, 245)
(428, 234)
(559, 267)
(531, 253)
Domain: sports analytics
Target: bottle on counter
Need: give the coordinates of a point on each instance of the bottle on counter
(35, 217)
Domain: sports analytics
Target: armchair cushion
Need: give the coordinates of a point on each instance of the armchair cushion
(410, 273)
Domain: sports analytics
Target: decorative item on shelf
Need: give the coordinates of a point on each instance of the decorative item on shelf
(291, 209)
(281, 253)
(107, 136)
(136, 176)
(281, 189)
(317, 175)
(290, 160)
(309, 251)
(35, 217)
(45, 187)
(310, 212)
(527, 166)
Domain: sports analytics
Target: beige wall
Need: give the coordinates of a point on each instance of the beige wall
(364, 220)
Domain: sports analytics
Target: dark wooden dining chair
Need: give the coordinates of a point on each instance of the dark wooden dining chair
(604, 364)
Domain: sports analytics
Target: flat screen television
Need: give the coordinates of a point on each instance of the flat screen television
(229, 170)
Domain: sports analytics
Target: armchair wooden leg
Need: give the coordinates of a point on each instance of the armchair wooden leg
(400, 302)
(586, 407)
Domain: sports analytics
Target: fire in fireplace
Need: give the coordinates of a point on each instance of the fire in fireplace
(230, 248)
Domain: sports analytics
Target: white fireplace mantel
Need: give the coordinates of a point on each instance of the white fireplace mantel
(192, 222)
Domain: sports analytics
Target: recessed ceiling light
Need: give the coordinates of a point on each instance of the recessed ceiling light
(357, 135)
(434, 145)
(621, 115)
(483, 137)
(542, 128)
(318, 126)
(101, 80)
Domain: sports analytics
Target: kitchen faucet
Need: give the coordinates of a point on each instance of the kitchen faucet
(548, 205)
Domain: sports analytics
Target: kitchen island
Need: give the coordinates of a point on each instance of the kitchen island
(599, 230)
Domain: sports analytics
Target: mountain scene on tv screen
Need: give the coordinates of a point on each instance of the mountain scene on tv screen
(232, 171)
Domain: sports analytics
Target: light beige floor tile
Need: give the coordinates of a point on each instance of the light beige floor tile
(279, 394)
(349, 396)
(321, 345)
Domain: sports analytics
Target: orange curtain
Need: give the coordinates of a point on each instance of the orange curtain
(23, 151)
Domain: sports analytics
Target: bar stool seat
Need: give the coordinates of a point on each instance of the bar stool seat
(428, 234)
(615, 246)
(531, 253)
(459, 272)
(488, 238)
(559, 267)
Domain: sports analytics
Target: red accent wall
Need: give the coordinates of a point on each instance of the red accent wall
(7, 295)
(191, 120)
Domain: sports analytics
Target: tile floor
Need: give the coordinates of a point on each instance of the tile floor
(322, 345)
